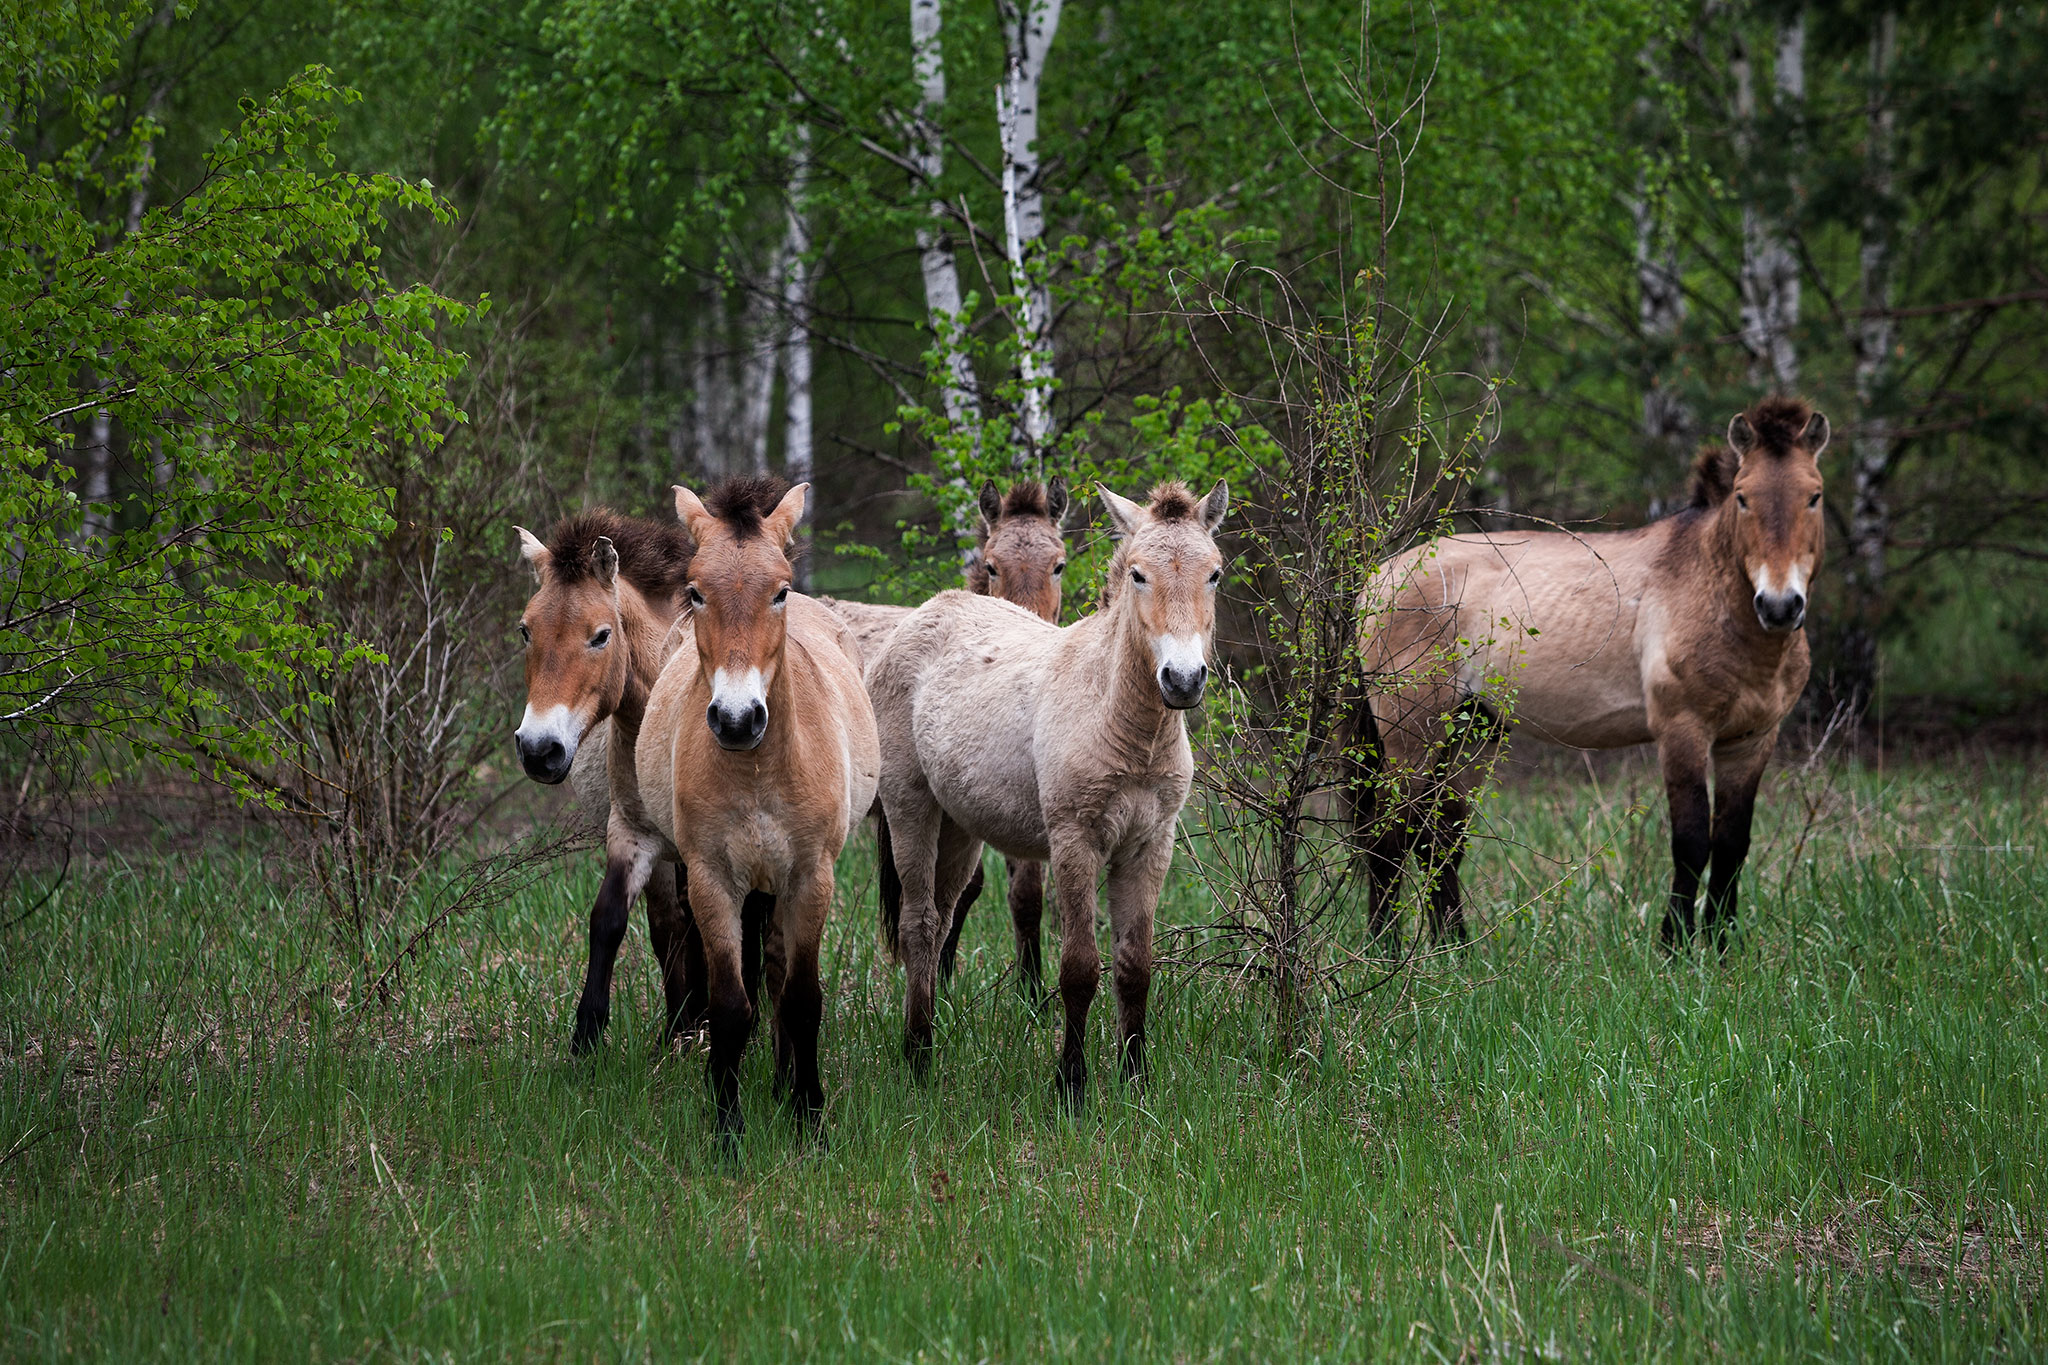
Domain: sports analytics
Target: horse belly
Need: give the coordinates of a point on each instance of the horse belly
(974, 747)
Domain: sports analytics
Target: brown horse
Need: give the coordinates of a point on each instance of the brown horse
(595, 633)
(1022, 558)
(1685, 632)
(1064, 745)
(756, 759)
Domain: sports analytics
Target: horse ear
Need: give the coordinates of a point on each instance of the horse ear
(533, 551)
(1056, 499)
(1815, 437)
(1125, 516)
(991, 503)
(1215, 507)
(604, 562)
(781, 523)
(1741, 436)
(691, 512)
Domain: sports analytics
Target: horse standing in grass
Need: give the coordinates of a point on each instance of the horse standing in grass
(1685, 632)
(756, 759)
(1022, 558)
(1061, 745)
(595, 633)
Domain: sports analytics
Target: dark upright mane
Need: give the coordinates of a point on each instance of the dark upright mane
(1780, 425)
(1172, 501)
(1026, 499)
(654, 556)
(743, 501)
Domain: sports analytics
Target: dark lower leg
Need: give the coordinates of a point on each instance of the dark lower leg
(798, 1012)
(1440, 860)
(732, 1019)
(1027, 914)
(1687, 795)
(670, 930)
(1732, 816)
(607, 931)
(968, 896)
(1383, 858)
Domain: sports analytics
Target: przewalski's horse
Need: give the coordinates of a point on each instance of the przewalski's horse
(595, 633)
(1685, 632)
(756, 759)
(1022, 558)
(1061, 745)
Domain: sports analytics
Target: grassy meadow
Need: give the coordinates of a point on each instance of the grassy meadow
(1557, 1145)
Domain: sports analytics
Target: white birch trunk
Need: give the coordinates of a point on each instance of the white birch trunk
(935, 248)
(799, 461)
(1873, 340)
(1028, 32)
(1770, 271)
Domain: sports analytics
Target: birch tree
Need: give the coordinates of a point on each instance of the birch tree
(1028, 30)
(1872, 341)
(1770, 271)
(941, 271)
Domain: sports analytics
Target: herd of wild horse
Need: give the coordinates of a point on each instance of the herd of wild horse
(976, 719)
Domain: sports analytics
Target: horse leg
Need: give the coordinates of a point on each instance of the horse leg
(1441, 851)
(1738, 770)
(968, 896)
(890, 888)
(799, 1000)
(1027, 913)
(1075, 865)
(625, 876)
(1135, 880)
(914, 831)
(1683, 756)
(670, 930)
(731, 1014)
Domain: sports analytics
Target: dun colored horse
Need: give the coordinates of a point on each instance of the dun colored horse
(1022, 558)
(595, 632)
(1064, 745)
(756, 759)
(1685, 632)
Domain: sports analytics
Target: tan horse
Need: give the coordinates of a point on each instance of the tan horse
(756, 759)
(596, 632)
(1685, 632)
(1063, 745)
(1022, 558)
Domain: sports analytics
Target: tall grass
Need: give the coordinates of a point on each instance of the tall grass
(1558, 1144)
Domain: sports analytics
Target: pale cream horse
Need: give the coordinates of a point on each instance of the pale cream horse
(1685, 633)
(756, 758)
(1064, 745)
(1021, 558)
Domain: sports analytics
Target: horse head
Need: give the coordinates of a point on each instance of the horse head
(1775, 502)
(1164, 575)
(737, 595)
(576, 665)
(1023, 553)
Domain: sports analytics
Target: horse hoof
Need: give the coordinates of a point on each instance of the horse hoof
(589, 1033)
(918, 1052)
(1070, 1092)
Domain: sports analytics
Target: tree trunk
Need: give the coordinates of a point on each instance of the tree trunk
(1770, 271)
(1028, 31)
(798, 460)
(1872, 339)
(934, 246)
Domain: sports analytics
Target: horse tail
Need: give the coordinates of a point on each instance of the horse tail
(892, 887)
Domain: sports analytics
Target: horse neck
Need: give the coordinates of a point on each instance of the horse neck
(642, 630)
(1136, 720)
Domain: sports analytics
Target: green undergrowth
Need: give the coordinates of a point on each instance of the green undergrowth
(1557, 1145)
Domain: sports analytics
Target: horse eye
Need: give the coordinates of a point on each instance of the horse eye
(1813, 501)
(782, 594)
(1059, 568)
(602, 638)
(696, 598)
(1137, 577)
(525, 635)
(1742, 502)
(1215, 577)
(993, 571)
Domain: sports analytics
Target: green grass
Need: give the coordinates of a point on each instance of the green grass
(1557, 1145)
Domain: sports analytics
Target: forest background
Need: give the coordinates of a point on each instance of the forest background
(308, 304)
